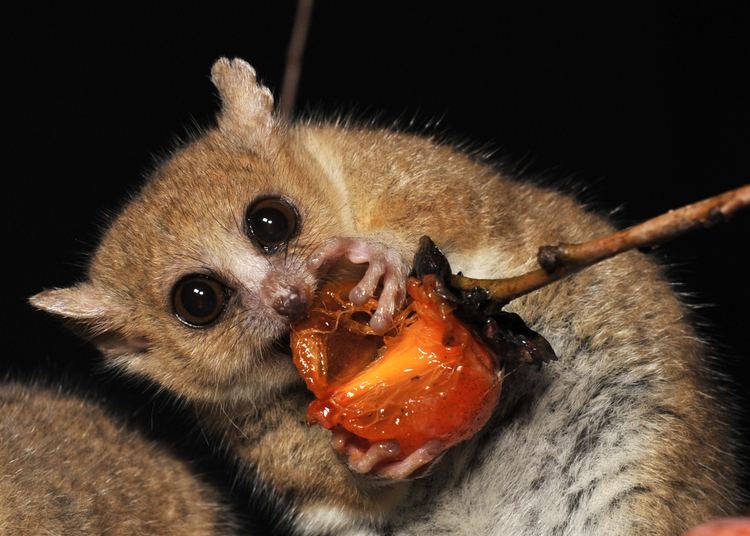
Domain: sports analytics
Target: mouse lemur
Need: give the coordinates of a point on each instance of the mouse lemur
(196, 282)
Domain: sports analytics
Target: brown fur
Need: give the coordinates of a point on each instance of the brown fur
(66, 467)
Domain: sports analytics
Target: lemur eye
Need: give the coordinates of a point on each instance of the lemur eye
(198, 300)
(271, 222)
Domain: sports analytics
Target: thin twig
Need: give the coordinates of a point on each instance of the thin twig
(564, 259)
(294, 57)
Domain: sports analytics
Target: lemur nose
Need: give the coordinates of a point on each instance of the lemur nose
(291, 302)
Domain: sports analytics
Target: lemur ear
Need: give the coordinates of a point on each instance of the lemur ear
(82, 302)
(246, 106)
(93, 314)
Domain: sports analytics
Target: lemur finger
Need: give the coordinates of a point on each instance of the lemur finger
(378, 453)
(339, 439)
(369, 282)
(332, 249)
(360, 251)
(343, 442)
(356, 251)
(413, 462)
(391, 298)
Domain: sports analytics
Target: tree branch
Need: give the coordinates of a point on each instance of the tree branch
(565, 259)
(294, 57)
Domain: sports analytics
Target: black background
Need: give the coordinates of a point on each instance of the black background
(641, 110)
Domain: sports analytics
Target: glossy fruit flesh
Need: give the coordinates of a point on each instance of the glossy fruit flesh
(431, 379)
